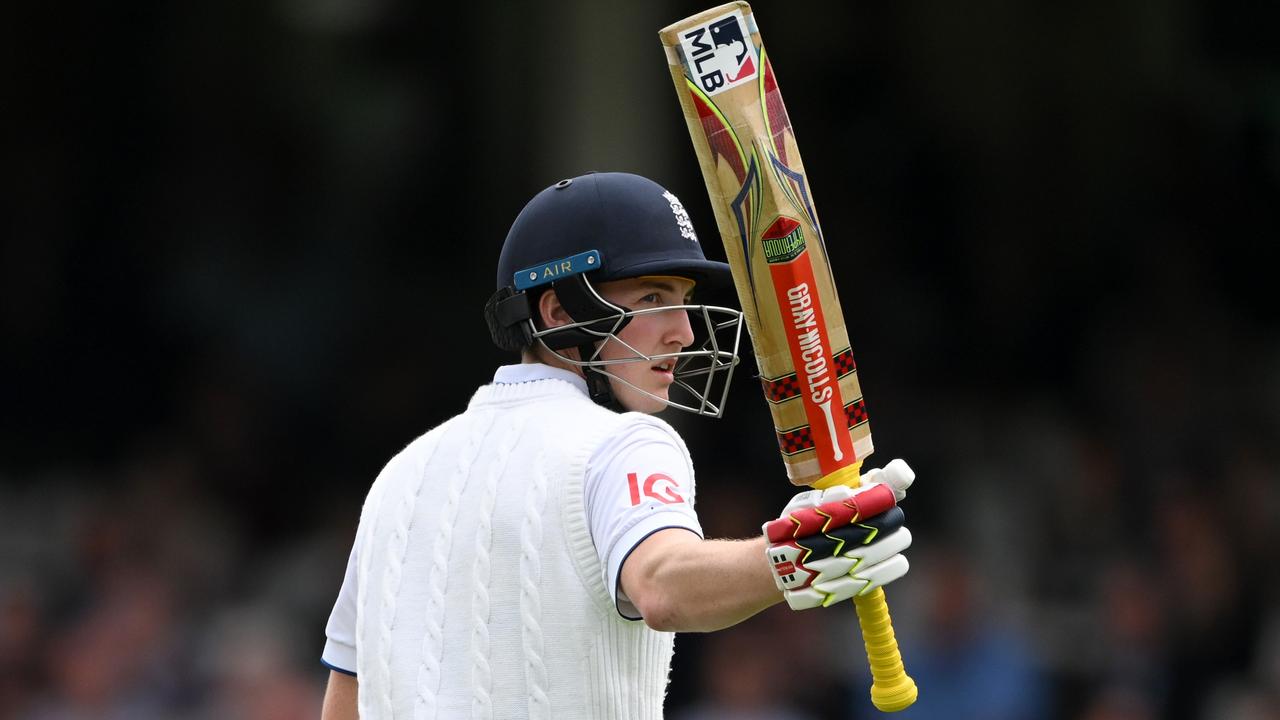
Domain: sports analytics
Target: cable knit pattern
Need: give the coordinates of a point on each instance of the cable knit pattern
(396, 550)
(481, 670)
(535, 668)
(433, 639)
(376, 681)
(479, 591)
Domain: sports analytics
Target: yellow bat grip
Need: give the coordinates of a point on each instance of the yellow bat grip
(892, 689)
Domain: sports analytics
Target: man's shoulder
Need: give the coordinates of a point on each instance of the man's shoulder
(643, 422)
(633, 428)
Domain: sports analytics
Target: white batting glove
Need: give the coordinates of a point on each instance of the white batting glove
(830, 545)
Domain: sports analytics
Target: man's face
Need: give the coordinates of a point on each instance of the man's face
(650, 334)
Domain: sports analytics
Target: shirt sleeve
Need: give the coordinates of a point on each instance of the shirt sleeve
(340, 647)
(638, 482)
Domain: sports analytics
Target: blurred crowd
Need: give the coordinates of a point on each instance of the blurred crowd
(139, 596)
(250, 244)
(1101, 564)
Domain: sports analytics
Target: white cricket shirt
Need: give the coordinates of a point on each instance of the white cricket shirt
(637, 482)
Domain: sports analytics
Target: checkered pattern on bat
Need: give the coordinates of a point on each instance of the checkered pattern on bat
(786, 387)
(799, 439)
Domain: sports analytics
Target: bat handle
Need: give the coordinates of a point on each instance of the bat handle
(892, 689)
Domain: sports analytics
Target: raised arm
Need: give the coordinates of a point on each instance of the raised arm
(828, 546)
(680, 582)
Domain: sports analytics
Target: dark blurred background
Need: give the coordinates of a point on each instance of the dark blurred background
(249, 244)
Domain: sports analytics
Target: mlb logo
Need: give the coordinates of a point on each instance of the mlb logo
(719, 55)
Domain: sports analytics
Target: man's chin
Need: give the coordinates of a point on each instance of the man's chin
(639, 402)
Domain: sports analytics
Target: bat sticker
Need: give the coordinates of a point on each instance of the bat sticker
(718, 54)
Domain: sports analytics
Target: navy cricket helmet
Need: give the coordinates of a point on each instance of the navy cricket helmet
(591, 229)
(634, 227)
(637, 226)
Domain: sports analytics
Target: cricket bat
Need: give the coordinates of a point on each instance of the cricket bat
(775, 247)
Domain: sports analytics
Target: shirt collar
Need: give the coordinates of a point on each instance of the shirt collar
(532, 372)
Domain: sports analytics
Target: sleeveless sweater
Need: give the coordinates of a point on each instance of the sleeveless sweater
(480, 593)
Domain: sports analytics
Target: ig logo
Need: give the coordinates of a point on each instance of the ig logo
(658, 486)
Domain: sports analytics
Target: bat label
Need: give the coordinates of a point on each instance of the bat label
(810, 343)
(717, 54)
(785, 243)
(794, 285)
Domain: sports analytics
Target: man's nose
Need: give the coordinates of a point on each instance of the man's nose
(679, 329)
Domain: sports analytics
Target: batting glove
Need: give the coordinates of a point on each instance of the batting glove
(832, 544)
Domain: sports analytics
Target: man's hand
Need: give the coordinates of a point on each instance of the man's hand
(832, 544)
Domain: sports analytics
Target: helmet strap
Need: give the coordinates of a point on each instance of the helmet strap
(598, 386)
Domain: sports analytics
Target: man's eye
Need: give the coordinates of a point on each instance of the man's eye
(651, 298)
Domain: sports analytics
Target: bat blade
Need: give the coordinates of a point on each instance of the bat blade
(764, 209)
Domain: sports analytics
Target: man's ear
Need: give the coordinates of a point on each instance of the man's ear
(550, 312)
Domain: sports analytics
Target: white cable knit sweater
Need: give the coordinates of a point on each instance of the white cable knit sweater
(480, 594)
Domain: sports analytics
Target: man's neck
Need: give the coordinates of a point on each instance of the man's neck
(542, 355)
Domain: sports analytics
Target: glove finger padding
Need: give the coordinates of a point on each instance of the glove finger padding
(897, 475)
(805, 561)
(857, 582)
(833, 544)
(857, 571)
(841, 540)
(804, 521)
